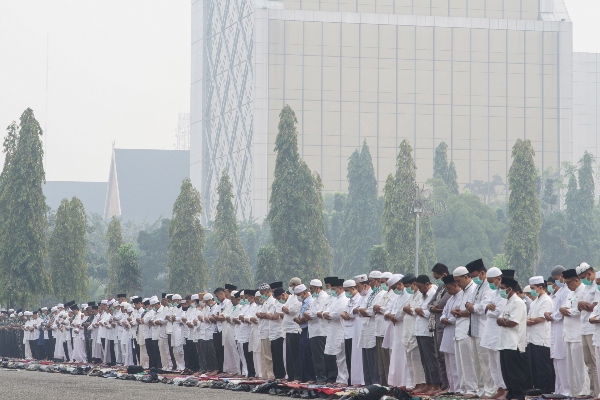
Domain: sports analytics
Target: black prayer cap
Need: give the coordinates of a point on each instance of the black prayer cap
(440, 268)
(476, 265)
(121, 295)
(237, 295)
(94, 307)
(408, 278)
(510, 282)
(230, 287)
(448, 279)
(337, 282)
(164, 295)
(74, 307)
(91, 303)
(508, 273)
(69, 304)
(137, 300)
(278, 292)
(276, 285)
(170, 297)
(330, 279)
(570, 273)
(147, 302)
(423, 279)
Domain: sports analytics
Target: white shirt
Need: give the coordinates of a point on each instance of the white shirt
(491, 332)
(539, 334)
(589, 296)
(483, 297)
(461, 330)
(316, 325)
(422, 323)
(367, 334)
(288, 324)
(596, 337)
(274, 325)
(353, 302)
(572, 324)
(514, 338)
(335, 340)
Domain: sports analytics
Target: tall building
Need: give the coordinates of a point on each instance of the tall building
(476, 74)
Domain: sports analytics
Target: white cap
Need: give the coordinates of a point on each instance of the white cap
(460, 271)
(361, 278)
(536, 280)
(84, 306)
(20, 314)
(130, 309)
(581, 268)
(375, 274)
(28, 313)
(54, 309)
(111, 302)
(12, 315)
(207, 297)
(176, 297)
(386, 275)
(60, 305)
(153, 301)
(527, 289)
(257, 294)
(44, 308)
(104, 302)
(242, 293)
(349, 283)
(233, 292)
(124, 304)
(11, 310)
(493, 272)
(194, 297)
(394, 279)
(316, 282)
(300, 288)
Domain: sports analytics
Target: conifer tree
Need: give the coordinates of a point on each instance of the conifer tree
(128, 271)
(114, 240)
(267, 269)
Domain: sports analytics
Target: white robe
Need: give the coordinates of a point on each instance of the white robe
(399, 375)
(356, 374)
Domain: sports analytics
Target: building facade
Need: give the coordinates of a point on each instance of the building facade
(476, 74)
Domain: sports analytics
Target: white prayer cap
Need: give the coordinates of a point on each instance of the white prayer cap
(11, 310)
(257, 294)
(387, 275)
(130, 309)
(207, 297)
(375, 274)
(394, 279)
(169, 294)
(233, 292)
(104, 302)
(194, 297)
(60, 305)
(54, 309)
(12, 315)
(494, 272)
(460, 271)
(361, 278)
(44, 308)
(176, 297)
(299, 289)
(527, 289)
(349, 283)
(84, 306)
(111, 302)
(536, 280)
(124, 304)
(20, 314)
(153, 300)
(581, 268)
(145, 299)
(242, 293)
(28, 313)
(316, 282)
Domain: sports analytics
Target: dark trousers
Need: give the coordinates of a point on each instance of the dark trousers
(306, 359)
(249, 361)
(324, 370)
(218, 343)
(437, 338)
(111, 349)
(41, 351)
(211, 355)
(190, 355)
(515, 371)
(201, 356)
(173, 363)
(152, 362)
(542, 367)
(136, 352)
(348, 349)
(430, 365)
(277, 354)
(292, 360)
(370, 372)
(33, 347)
(66, 350)
(49, 346)
(383, 360)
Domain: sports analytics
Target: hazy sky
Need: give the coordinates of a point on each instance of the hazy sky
(119, 70)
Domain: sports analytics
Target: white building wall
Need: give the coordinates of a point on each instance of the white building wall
(586, 105)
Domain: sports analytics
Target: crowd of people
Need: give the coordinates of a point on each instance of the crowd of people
(472, 332)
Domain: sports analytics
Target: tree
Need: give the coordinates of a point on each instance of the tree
(379, 259)
(452, 181)
(443, 171)
(114, 241)
(296, 207)
(361, 228)
(398, 218)
(127, 270)
(186, 263)
(267, 265)
(68, 252)
(521, 245)
(232, 265)
(580, 214)
(153, 243)
(334, 229)
(23, 224)
(96, 250)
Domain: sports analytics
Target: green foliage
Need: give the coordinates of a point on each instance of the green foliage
(443, 171)
(555, 246)
(114, 241)
(334, 220)
(361, 228)
(267, 265)
(398, 218)
(521, 245)
(68, 249)
(500, 262)
(232, 265)
(379, 259)
(23, 223)
(96, 260)
(127, 271)
(296, 208)
(153, 243)
(186, 264)
(452, 181)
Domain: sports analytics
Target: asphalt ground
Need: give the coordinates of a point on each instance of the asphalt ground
(21, 384)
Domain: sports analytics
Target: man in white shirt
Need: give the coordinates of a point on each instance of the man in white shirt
(586, 305)
(579, 381)
(512, 342)
(335, 339)
(266, 358)
(324, 371)
(424, 336)
(351, 293)
(366, 341)
(595, 321)
(463, 346)
(448, 321)
(413, 357)
(275, 314)
(558, 348)
(538, 336)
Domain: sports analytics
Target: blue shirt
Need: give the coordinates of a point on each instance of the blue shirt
(305, 307)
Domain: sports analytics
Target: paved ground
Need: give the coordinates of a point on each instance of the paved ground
(21, 384)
